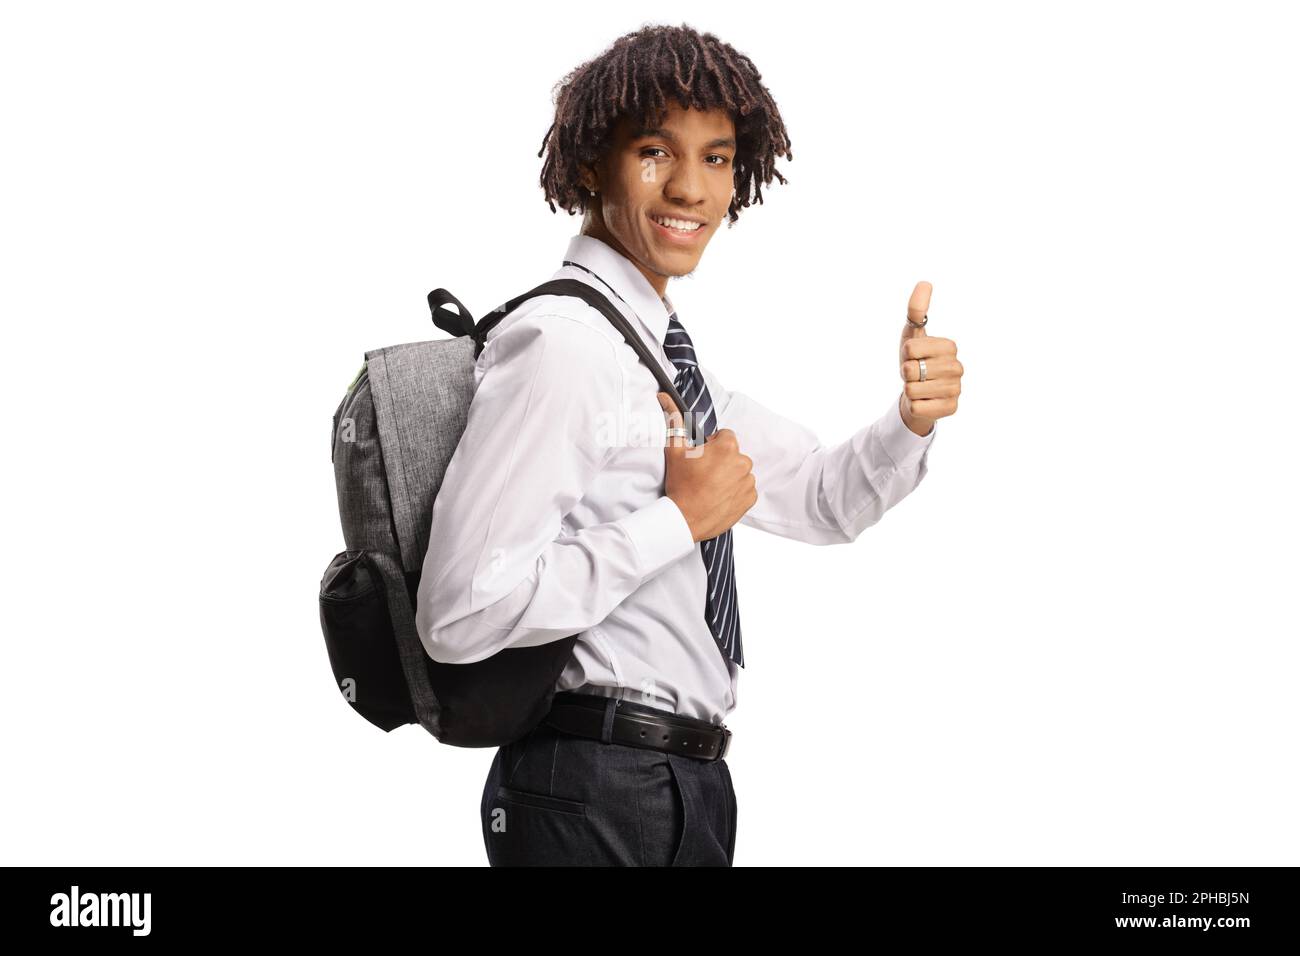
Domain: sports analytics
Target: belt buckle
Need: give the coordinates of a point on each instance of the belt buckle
(726, 743)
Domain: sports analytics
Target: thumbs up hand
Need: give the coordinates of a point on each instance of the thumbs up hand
(924, 402)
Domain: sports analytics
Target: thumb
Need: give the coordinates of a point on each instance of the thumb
(917, 309)
(673, 418)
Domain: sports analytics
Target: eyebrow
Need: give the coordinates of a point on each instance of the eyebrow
(720, 143)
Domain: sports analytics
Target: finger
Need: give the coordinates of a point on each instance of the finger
(673, 419)
(936, 367)
(933, 408)
(943, 388)
(918, 307)
(926, 347)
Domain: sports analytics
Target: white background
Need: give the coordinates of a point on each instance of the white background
(1072, 643)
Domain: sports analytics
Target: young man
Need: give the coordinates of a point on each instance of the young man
(553, 521)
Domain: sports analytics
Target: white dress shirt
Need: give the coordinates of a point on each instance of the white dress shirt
(552, 518)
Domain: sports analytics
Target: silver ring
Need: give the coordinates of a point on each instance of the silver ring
(678, 433)
(922, 361)
(921, 324)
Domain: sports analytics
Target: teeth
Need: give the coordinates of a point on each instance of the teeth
(679, 224)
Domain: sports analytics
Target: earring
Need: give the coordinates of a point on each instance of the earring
(592, 191)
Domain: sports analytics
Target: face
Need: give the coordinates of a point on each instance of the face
(680, 170)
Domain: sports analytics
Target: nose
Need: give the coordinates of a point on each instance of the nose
(685, 185)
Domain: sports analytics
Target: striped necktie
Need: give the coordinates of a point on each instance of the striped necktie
(720, 610)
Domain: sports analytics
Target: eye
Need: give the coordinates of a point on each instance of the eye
(724, 159)
(654, 148)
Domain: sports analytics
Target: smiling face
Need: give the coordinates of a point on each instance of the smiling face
(681, 171)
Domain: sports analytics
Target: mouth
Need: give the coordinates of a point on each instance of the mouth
(677, 229)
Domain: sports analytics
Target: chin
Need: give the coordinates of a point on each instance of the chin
(675, 266)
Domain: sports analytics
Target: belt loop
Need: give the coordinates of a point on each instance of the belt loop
(607, 730)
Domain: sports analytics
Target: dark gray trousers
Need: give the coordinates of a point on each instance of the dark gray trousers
(553, 799)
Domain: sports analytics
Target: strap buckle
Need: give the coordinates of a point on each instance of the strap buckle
(726, 743)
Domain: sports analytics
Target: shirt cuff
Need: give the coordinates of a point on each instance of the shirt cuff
(660, 534)
(903, 445)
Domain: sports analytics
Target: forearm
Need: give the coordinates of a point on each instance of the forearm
(822, 495)
(466, 613)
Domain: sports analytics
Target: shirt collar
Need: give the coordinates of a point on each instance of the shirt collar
(614, 271)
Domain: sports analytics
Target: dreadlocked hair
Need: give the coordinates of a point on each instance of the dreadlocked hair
(636, 77)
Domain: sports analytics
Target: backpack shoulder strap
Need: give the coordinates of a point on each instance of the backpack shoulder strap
(462, 323)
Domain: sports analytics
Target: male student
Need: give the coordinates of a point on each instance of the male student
(553, 520)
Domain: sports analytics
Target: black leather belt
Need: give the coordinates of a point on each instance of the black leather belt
(614, 720)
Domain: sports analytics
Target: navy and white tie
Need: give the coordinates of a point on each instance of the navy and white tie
(720, 610)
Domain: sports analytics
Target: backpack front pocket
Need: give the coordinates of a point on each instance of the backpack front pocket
(361, 643)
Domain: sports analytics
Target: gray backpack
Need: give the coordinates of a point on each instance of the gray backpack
(393, 436)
